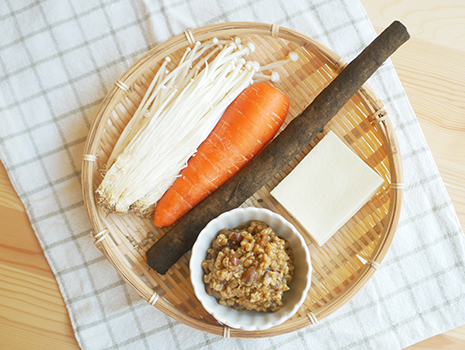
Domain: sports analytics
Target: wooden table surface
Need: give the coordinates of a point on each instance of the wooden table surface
(431, 67)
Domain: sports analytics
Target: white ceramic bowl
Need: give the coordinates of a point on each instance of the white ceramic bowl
(293, 299)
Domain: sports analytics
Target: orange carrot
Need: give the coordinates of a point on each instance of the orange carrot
(246, 126)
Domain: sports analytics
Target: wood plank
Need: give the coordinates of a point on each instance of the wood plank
(19, 246)
(32, 312)
(16, 338)
(451, 340)
(8, 196)
(439, 22)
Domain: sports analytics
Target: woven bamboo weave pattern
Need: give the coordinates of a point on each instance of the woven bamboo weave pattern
(341, 267)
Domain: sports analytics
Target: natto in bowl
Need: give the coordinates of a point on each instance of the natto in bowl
(293, 298)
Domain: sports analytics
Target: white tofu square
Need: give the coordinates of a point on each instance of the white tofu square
(327, 188)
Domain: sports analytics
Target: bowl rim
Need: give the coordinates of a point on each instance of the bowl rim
(196, 270)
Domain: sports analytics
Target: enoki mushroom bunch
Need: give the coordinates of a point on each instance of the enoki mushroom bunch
(178, 111)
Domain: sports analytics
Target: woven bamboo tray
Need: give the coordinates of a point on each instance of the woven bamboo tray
(341, 267)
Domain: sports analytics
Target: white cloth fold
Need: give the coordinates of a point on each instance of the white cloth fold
(58, 60)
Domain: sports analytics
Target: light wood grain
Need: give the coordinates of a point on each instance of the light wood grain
(32, 312)
(434, 21)
(8, 197)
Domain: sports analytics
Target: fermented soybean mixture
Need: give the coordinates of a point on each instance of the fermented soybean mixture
(249, 268)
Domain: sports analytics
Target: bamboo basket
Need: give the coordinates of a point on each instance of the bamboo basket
(341, 267)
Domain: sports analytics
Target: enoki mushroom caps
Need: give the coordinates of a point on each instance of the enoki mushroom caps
(274, 77)
(251, 47)
(291, 57)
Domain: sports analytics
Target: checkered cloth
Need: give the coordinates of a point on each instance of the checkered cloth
(58, 60)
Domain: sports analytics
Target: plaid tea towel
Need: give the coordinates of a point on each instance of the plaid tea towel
(58, 60)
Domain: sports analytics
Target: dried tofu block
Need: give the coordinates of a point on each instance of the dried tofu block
(327, 188)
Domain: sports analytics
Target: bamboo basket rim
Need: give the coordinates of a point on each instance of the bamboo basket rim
(107, 246)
